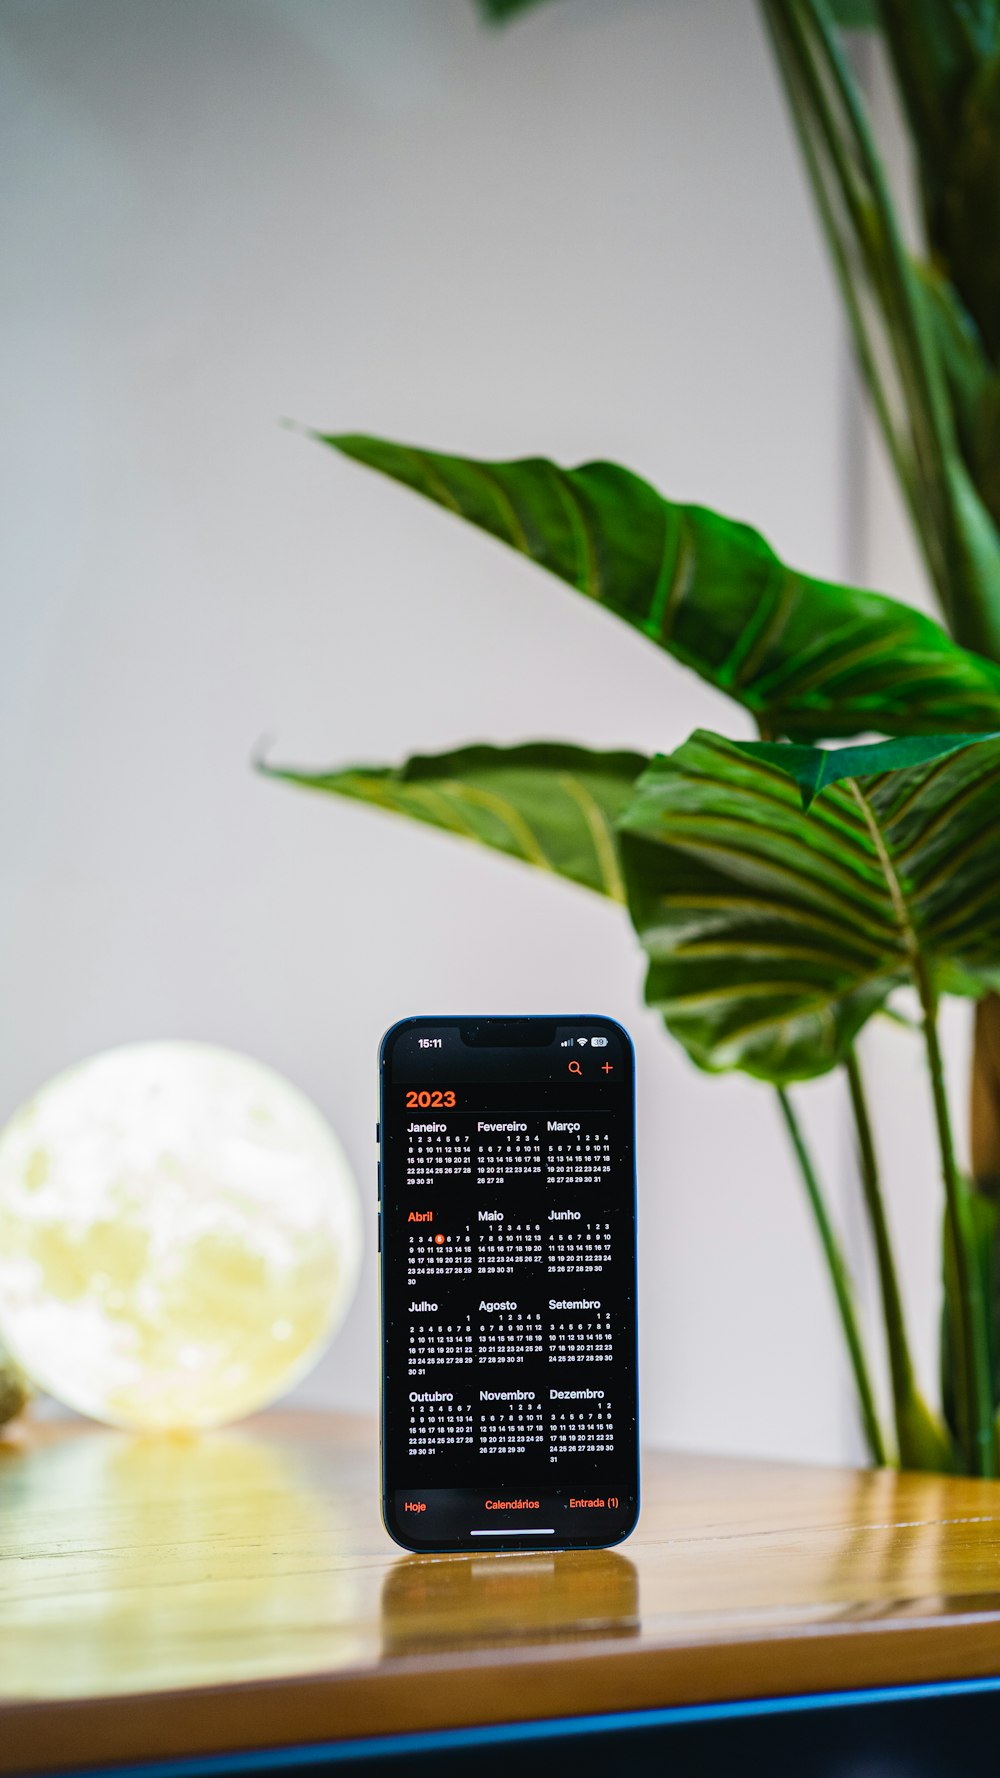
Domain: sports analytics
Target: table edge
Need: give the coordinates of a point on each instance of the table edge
(410, 1695)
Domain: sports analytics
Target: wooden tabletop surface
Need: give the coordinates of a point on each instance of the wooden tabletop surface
(171, 1597)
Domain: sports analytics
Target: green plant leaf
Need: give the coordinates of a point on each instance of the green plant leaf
(815, 768)
(968, 238)
(852, 14)
(855, 15)
(940, 51)
(774, 933)
(893, 332)
(498, 11)
(973, 384)
(547, 803)
(947, 63)
(808, 658)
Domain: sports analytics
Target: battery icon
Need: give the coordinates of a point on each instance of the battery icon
(599, 1043)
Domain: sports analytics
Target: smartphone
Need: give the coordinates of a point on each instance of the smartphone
(507, 1243)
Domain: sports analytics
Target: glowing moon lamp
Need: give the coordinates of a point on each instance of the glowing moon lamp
(179, 1236)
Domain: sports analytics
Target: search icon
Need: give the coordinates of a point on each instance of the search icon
(575, 1068)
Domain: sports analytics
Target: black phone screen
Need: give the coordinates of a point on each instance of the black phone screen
(508, 1261)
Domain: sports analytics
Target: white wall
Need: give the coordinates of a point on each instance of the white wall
(588, 235)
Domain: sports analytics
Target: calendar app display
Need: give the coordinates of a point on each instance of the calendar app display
(508, 1263)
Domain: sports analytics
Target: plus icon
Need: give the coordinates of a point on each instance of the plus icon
(608, 1066)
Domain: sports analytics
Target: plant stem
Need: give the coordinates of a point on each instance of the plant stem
(900, 1362)
(922, 1441)
(808, 109)
(888, 313)
(973, 1392)
(842, 1285)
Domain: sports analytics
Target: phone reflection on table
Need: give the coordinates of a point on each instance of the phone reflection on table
(462, 1601)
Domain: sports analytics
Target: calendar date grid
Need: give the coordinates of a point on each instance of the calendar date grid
(510, 1237)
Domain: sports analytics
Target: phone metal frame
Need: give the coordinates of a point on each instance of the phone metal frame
(522, 1544)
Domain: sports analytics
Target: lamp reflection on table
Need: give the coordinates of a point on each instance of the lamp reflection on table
(164, 1541)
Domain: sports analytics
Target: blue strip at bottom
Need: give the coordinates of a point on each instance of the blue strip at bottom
(557, 1729)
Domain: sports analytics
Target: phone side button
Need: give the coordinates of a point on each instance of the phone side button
(378, 1223)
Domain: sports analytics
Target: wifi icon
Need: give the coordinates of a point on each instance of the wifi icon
(583, 1040)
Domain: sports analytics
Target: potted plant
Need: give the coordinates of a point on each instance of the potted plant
(784, 890)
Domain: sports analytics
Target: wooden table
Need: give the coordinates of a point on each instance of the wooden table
(166, 1599)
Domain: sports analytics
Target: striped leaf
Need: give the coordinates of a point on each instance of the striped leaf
(807, 657)
(815, 768)
(551, 805)
(773, 933)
